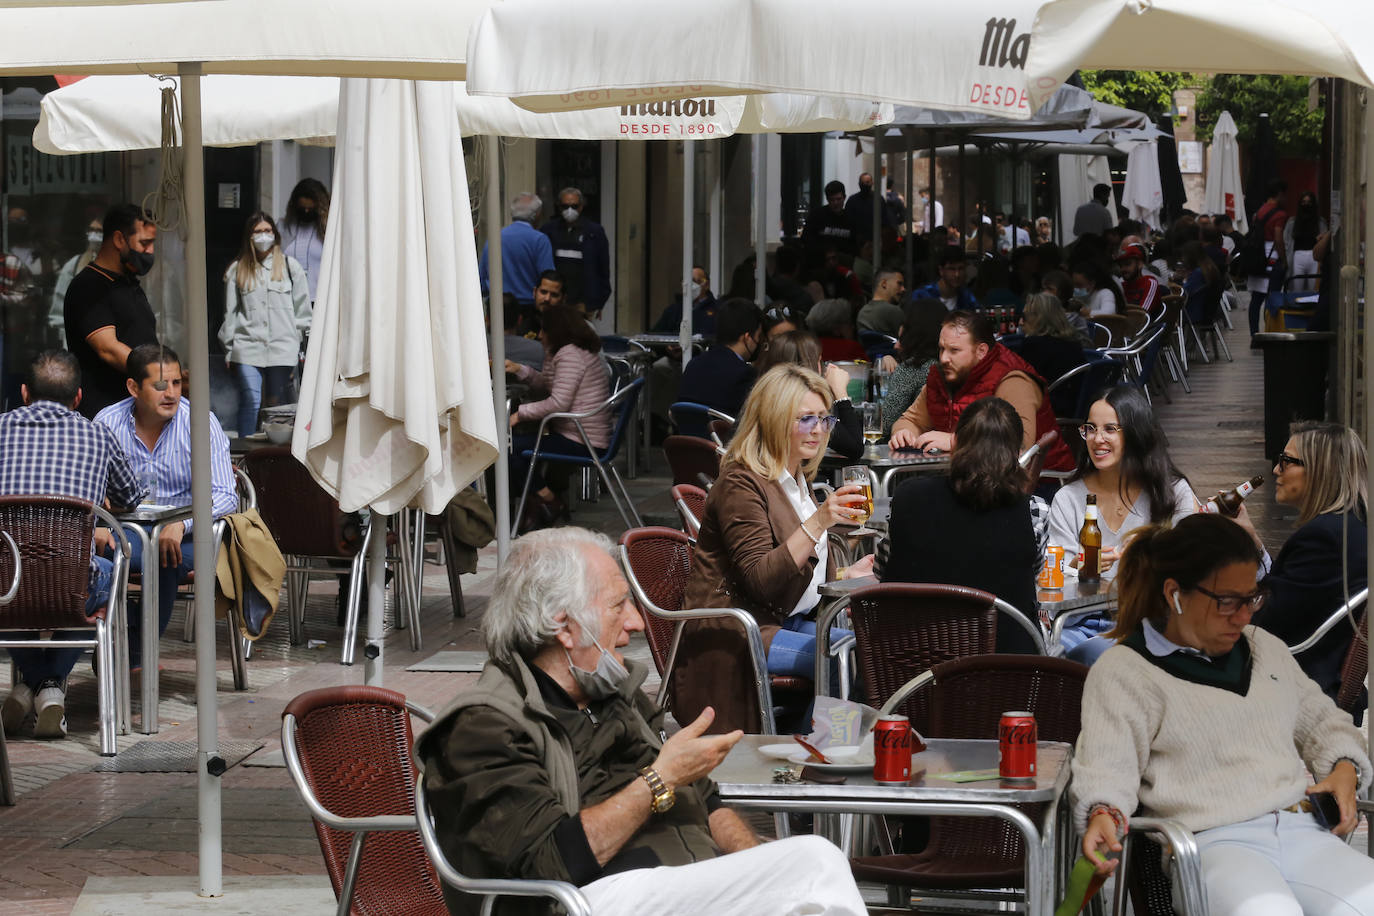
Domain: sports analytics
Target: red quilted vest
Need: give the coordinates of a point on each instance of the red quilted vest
(982, 382)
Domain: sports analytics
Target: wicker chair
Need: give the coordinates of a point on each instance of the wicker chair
(308, 525)
(7, 793)
(1351, 695)
(348, 752)
(963, 699)
(657, 562)
(691, 506)
(692, 460)
(53, 535)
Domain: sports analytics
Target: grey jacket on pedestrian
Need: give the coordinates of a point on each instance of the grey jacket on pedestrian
(264, 326)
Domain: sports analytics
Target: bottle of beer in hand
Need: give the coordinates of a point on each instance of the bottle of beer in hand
(1090, 539)
(1227, 502)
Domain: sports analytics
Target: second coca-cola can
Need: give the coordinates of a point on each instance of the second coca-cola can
(1016, 738)
(892, 751)
(1052, 573)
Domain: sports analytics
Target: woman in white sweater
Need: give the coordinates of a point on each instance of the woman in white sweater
(1199, 717)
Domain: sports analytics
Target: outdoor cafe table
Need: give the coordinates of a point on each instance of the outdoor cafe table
(745, 780)
(146, 523)
(887, 464)
(663, 341)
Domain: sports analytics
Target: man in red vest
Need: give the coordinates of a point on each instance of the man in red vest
(974, 365)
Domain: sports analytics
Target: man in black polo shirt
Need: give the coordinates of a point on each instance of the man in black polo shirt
(106, 313)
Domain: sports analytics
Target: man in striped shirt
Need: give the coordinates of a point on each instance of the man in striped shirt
(153, 427)
(1139, 288)
(48, 449)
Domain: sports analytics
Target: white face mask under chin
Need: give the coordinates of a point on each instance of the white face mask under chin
(604, 680)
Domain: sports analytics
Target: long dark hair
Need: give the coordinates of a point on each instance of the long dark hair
(800, 348)
(921, 324)
(314, 189)
(562, 325)
(1101, 279)
(984, 471)
(1195, 256)
(1144, 455)
(1199, 545)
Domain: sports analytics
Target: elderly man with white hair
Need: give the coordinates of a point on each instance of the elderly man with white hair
(525, 251)
(556, 765)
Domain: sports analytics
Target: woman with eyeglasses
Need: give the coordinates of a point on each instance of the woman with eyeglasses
(1198, 717)
(762, 545)
(1125, 464)
(802, 348)
(1321, 473)
(983, 501)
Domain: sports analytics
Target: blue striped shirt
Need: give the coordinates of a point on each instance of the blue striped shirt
(170, 457)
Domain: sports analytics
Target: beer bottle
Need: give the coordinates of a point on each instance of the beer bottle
(1227, 502)
(1090, 539)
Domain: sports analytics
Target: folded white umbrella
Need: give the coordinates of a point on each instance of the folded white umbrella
(1143, 193)
(110, 113)
(967, 56)
(395, 406)
(1224, 193)
(1078, 175)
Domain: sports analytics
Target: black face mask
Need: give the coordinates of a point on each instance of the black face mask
(19, 233)
(308, 216)
(137, 263)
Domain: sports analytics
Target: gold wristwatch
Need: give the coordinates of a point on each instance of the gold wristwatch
(663, 796)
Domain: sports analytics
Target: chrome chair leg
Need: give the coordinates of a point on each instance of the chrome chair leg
(353, 607)
(105, 687)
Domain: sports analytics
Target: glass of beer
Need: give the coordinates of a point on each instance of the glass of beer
(873, 424)
(858, 475)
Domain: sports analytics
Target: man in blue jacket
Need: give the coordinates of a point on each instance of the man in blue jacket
(525, 251)
(581, 253)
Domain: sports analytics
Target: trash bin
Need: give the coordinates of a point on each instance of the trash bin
(1295, 365)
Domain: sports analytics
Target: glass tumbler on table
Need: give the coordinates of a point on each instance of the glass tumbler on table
(858, 475)
(873, 424)
(147, 479)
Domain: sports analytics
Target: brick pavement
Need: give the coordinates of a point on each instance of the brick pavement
(71, 824)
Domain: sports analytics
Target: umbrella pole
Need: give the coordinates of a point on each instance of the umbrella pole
(877, 227)
(211, 766)
(376, 595)
(491, 202)
(689, 169)
(910, 209)
(760, 219)
(1351, 223)
(962, 222)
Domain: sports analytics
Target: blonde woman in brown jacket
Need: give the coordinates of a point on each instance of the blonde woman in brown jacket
(762, 545)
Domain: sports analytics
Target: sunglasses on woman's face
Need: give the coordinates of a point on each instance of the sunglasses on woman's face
(1284, 461)
(807, 423)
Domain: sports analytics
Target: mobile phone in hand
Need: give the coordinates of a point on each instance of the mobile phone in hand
(1325, 810)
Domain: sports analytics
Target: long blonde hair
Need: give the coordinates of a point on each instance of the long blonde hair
(763, 441)
(246, 271)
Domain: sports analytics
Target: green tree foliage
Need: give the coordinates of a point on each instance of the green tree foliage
(1142, 90)
(1297, 131)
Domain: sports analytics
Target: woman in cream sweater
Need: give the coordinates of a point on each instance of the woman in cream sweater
(1199, 717)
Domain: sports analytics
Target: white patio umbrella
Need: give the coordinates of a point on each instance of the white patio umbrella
(1225, 193)
(415, 39)
(1077, 177)
(1143, 193)
(111, 113)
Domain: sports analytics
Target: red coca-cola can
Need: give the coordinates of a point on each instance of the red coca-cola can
(1016, 737)
(892, 751)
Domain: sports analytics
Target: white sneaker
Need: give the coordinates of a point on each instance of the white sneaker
(50, 709)
(17, 708)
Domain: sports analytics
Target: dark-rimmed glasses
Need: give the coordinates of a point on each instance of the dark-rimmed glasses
(807, 423)
(1090, 429)
(1283, 461)
(1228, 605)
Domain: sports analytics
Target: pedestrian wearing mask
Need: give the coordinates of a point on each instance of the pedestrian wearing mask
(266, 312)
(106, 313)
(302, 235)
(95, 234)
(581, 253)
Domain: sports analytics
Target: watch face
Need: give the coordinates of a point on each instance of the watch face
(665, 801)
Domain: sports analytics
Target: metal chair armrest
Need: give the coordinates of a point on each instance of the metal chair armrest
(566, 894)
(1187, 862)
(1036, 633)
(827, 615)
(248, 494)
(1070, 375)
(1341, 613)
(1063, 620)
(906, 690)
(319, 811)
(18, 575)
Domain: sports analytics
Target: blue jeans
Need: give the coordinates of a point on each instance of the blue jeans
(38, 665)
(168, 579)
(253, 381)
(793, 649)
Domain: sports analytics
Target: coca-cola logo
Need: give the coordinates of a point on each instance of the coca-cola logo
(892, 739)
(1019, 733)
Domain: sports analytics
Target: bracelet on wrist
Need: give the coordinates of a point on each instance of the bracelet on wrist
(815, 538)
(1117, 817)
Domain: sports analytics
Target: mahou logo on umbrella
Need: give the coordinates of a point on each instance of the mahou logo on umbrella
(1002, 48)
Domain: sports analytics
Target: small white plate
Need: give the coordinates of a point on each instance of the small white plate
(842, 759)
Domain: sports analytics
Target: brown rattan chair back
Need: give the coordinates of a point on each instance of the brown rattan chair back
(904, 629)
(1350, 696)
(661, 560)
(1119, 325)
(53, 534)
(966, 700)
(354, 746)
(303, 518)
(694, 498)
(691, 456)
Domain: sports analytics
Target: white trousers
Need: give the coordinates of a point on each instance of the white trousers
(798, 876)
(1283, 864)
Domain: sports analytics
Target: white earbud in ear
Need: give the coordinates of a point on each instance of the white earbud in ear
(1178, 606)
